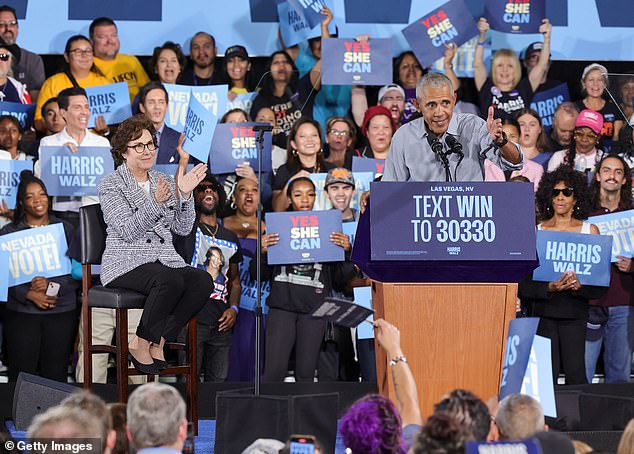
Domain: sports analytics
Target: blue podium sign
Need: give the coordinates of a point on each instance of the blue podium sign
(452, 221)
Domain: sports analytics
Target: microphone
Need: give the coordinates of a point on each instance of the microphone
(454, 146)
(262, 127)
(436, 146)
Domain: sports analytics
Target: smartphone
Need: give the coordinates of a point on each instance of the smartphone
(53, 289)
(302, 444)
(189, 444)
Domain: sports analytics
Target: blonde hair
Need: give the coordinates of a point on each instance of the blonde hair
(511, 55)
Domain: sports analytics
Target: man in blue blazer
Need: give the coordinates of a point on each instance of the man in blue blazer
(153, 102)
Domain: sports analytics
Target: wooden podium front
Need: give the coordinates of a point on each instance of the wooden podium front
(453, 335)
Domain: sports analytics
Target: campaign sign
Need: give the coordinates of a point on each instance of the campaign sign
(346, 61)
(512, 16)
(309, 10)
(452, 22)
(341, 312)
(587, 255)
(503, 447)
(212, 97)
(538, 379)
(363, 297)
(199, 130)
(233, 144)
(170, 169)
(112, 101)
(465, 56)
(243, 101)
(375, 166)
(377, 11)
(350, 229)
(10, 178)
(74, 174)
(36, 252)
(249, 296)
(545, 102)
(23, 112)
(620, 226)
(4, 275)
(295, 29)
(304, 237)
(452, 221)
(517, 351)
(362, 182)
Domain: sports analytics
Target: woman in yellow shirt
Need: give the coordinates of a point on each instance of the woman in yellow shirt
(80, 71)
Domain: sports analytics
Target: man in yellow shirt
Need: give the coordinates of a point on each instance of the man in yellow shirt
(117, 67)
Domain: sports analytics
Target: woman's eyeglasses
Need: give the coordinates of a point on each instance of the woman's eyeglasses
(141, 147)
(567, 192)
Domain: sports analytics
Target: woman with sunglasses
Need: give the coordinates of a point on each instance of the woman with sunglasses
(141, 208)
(563, 200)
(11, 90)
(584, 151)
(80, 71)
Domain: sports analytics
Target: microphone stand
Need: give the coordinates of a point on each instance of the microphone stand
(259, 140)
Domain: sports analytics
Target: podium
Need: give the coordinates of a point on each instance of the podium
(453, 313)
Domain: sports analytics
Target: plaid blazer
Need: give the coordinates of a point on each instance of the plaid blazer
(139, 230)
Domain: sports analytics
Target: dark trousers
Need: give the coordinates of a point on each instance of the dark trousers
(213, 352)
(174, 296)
(39, 344)
(568, 346)
(285, 329)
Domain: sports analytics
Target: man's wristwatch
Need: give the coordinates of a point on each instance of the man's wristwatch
(501, 143)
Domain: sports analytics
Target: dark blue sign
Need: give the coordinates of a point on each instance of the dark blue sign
(36, 252)
(377, 11)
(74, 174)
(350, 62)
(452, 221)
(611, 14)
(587, 255)
(309, 10)
(516, 354)
(452, 22)
(234, 144)
(10, 178)
(375, 166)
(112, 101)
(263, 10)
(138, 10)
(249, 296)
(19, 6)
(545, 102)
(170, 169)
(304, 237)
(503, 447)
(199, 130)
(23, 112)
(511, 16)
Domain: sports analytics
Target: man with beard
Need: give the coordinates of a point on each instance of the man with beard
(210, 246)
(28, 67)
(412, 157)
(611, 318)
(117, 67)
(153, 100)
(202, 52)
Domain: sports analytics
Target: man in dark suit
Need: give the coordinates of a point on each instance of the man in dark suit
(153, 101)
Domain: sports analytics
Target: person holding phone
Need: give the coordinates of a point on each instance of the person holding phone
(40, 322)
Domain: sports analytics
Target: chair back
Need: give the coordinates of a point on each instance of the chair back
(93, 234)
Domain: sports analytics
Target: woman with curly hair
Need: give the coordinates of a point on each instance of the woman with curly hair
(562, 305)
(442, 434)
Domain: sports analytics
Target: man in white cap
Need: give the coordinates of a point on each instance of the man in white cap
(391, 96)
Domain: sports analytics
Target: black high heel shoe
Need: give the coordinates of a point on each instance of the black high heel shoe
(149, 369)
(160, 364)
